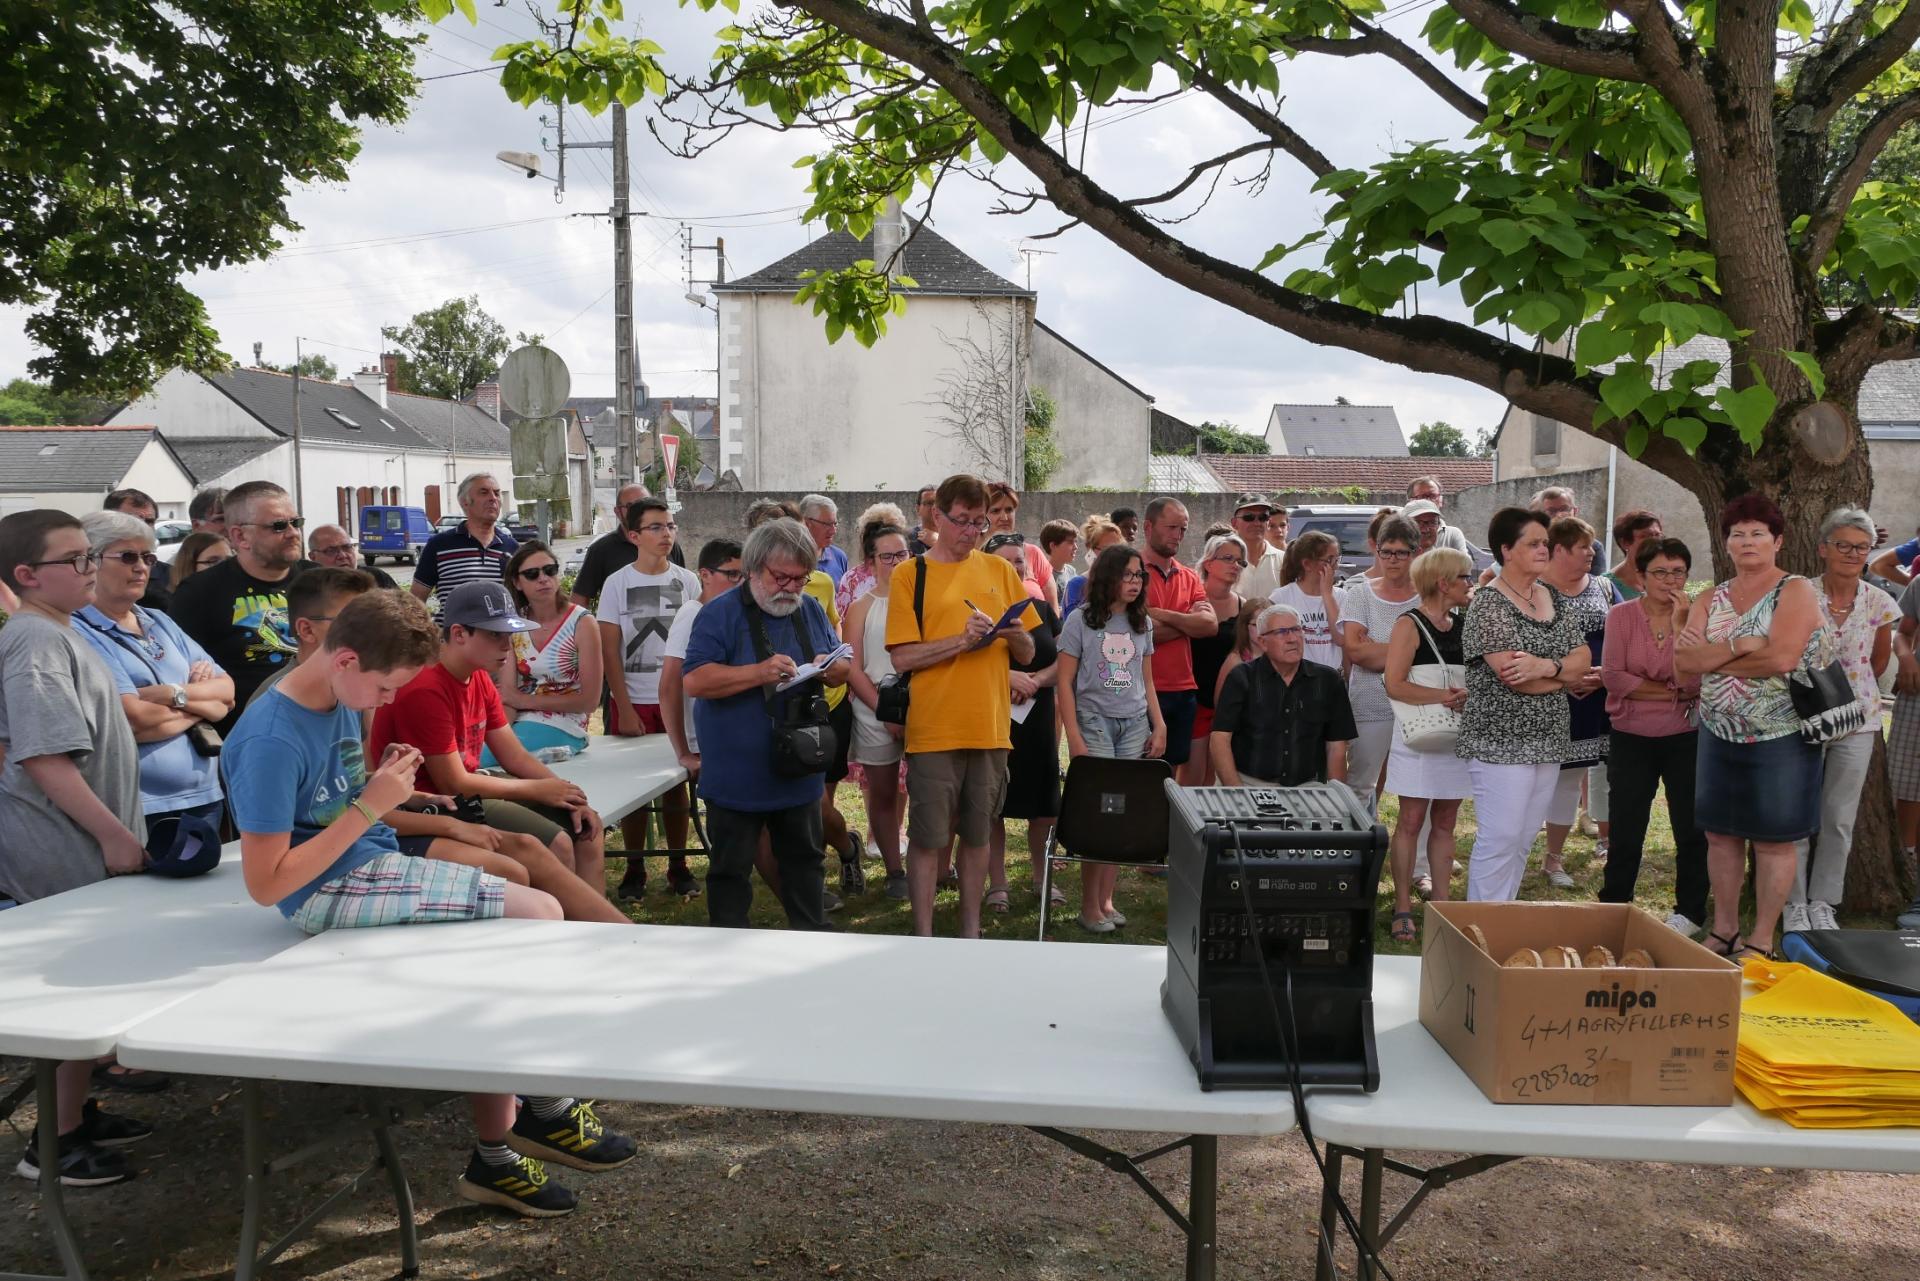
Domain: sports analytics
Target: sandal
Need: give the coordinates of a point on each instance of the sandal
(111, 1076)
(1404, 930)
(1721, 945)
(996, 900)
(1055, 898)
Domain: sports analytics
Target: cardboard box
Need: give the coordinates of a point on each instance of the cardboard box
(1637, 1036)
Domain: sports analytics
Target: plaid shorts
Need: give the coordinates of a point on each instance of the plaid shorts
(1903, 748)
(397, 890)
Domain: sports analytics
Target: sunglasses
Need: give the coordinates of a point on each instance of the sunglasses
(130, 559)
(278, 526)
(540, 571)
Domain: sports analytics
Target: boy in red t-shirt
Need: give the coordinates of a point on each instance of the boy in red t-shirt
(451, 711)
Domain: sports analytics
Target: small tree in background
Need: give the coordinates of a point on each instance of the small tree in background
(1041, 454)
(1439, 440)
(313, 366)
(449, 349)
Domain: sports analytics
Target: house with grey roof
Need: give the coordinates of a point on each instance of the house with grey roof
(1336, 431)
(74, 468)
(945, 389)
(352, 443)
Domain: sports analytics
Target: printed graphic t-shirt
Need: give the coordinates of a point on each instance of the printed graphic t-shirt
(642, 606)
(1112, 678)
(290, 769)
(241, 621)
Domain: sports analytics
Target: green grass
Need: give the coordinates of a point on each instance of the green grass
(1141, 897)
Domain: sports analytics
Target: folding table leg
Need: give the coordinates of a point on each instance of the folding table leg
(1372, 1168)
(253, 1181)
(1329, 1215)
(1203, 1194)
(52, 1195)
(402, 1201)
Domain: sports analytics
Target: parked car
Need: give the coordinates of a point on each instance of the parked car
(399, 532)
(1348, 524)
(518, 530)
(169, 534)
(449, 522)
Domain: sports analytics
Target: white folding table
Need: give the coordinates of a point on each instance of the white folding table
(78, 969)
(1427, 1104)
(619, 775)
(1043, 1036)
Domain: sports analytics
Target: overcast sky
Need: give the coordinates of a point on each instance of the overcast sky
(421, 219)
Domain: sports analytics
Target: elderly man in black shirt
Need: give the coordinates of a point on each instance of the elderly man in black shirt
(1279, 720)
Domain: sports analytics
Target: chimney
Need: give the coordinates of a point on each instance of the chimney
(372, 384)
(390, 366)
(889, 233)
(486, 398)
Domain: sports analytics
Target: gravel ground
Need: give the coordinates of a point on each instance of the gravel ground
(724, 1194)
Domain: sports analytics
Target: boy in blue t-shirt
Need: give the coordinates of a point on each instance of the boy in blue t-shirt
(312, 843)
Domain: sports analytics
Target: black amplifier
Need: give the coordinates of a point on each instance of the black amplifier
(1309, 859)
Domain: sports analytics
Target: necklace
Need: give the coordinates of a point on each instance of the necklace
(1524, 602)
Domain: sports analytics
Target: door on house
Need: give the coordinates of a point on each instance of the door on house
(433, 505)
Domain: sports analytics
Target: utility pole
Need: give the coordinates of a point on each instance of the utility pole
(623, 353)
(297, 493)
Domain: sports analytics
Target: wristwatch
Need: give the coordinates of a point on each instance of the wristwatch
(179, 697)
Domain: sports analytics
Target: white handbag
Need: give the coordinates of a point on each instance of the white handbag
(1429, 727)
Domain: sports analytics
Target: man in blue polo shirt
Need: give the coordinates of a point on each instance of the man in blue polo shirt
(732, 677)
(476, 550)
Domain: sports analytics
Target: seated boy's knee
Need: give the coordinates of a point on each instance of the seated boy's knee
(562, 847)
(531, 904)
(510, 871)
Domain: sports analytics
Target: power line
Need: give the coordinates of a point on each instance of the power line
(407, 238)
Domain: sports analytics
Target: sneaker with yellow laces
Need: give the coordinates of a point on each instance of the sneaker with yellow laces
(520, 1184)
(573, 1137)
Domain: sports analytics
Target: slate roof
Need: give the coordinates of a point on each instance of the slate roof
(443, 422)
(1337, 431)
(933, 262)
(211, 457)
(1291, 473)
(335, 413)
(73, 459)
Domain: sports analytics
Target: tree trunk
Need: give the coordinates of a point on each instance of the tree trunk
(1879, 882)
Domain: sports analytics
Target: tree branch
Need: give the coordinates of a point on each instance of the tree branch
(1373, 40)
(1265, 121)
(1831, 77)
(1193, 174)
(1824, 228)
(1531, 379)
(1607, 54)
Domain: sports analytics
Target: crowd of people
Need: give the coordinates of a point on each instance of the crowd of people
(383, 763)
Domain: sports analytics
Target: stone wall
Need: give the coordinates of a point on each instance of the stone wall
(1635, 486)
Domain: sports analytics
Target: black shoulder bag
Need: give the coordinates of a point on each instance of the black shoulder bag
(896, 690)
(803, 738)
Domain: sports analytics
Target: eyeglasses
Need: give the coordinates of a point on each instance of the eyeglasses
(891, 558)
(822, 520)
(731, 575)
(540, 571)
(1393, 553)
(957, 523)
(130, 559)
(1851, 549)
(1135, 576)
(208, 562)
(1668, 575)
(657, 528)
(334, 549)
(79, 562)
(1235, 561)
(278, 526)
(1283, 632)
(788, 582)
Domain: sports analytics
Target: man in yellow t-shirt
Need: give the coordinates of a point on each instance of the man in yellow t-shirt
(959, 719)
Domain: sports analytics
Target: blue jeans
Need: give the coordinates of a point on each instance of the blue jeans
(1121, 737)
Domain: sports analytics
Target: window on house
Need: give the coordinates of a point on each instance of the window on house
(1546, 438)
(344, 420)
(47, 451)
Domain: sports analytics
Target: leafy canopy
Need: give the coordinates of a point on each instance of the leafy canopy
(449, 349)
(1439, 440)
(140, 143)
(1601, 213)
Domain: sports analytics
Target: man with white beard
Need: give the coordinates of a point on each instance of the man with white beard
(744, 643)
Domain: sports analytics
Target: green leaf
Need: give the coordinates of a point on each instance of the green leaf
(1677, 318)
(1506, 235)
(1636, 439)
(1690, 432)
(1750, 409)
(1450, 216)
(1809, 369)
(1535, 315)
(1432, 195)
(1625, 388)
(1599, 343)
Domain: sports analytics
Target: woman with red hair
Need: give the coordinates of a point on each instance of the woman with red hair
(1757, 780)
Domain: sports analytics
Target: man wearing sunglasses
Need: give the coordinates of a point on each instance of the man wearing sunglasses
(237, 610)
(333, 547)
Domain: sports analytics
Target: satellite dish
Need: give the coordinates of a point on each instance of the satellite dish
(534, 382)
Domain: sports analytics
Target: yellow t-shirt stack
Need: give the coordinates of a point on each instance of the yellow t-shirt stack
(1821, 1054)
(962, 703)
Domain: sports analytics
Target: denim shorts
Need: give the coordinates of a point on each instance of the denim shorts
(1123, 738)
(1765, 791)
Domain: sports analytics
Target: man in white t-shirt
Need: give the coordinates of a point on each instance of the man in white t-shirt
(719, 572)
(638, 604)
(1253, 520)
